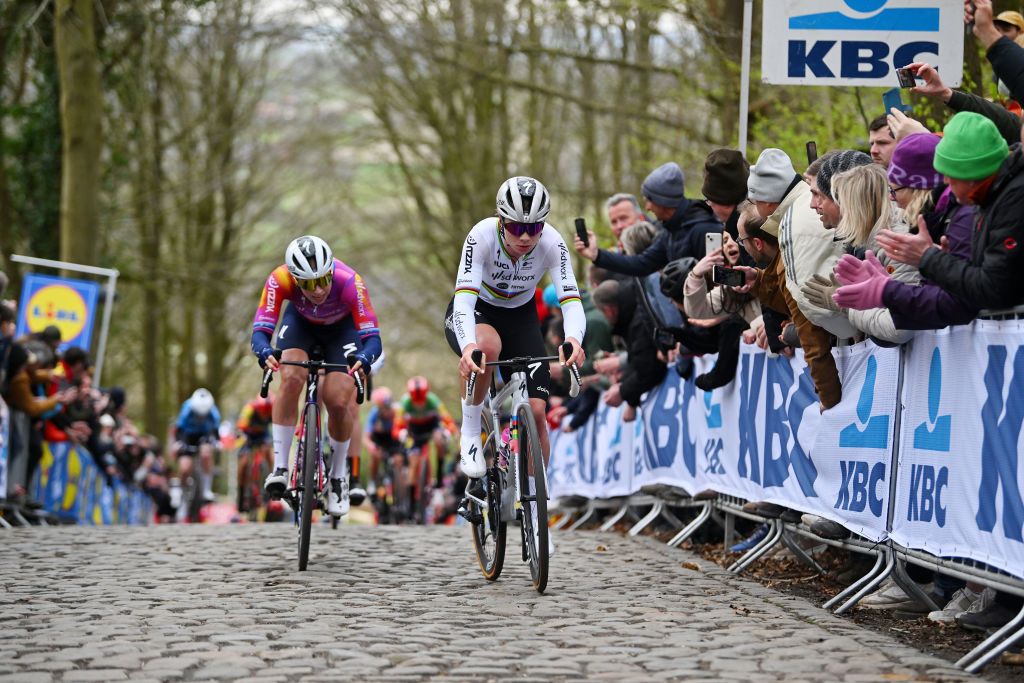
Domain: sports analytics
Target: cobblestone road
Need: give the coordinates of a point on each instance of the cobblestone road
(404, 604)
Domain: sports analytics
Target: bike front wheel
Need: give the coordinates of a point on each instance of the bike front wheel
(310, 461)
(535, 535)
(488, 527)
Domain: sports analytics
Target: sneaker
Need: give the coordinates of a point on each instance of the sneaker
(208, 496)
(988, 620)
(471, 457)
(960, 603)
(891, 596)
(751, 540)
(337, 499)
(276, 482)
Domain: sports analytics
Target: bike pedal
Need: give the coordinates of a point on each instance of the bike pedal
(467, 514)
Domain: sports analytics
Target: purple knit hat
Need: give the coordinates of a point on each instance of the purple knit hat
(911, 164)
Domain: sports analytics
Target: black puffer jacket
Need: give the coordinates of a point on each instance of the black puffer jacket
(992, 277)
(683, 236)
(643, 370)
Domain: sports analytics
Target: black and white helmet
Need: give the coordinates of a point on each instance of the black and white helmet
(523, 200)
(308, 257)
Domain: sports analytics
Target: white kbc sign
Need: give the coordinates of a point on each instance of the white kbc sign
(860, 42)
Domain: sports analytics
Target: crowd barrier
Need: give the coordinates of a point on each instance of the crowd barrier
(5, 438)
(73, 488)
(920, 459)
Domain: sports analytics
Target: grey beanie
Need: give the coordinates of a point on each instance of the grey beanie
(840, 161)
(770, 177)
(664, 185)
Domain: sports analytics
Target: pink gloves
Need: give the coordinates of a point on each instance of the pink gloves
(863, 282)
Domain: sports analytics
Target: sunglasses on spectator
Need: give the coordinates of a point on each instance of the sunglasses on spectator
(519, 229)
(315, 283)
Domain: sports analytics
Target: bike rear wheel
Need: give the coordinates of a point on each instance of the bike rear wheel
(310, 461)
(488, 527)
(535, 540)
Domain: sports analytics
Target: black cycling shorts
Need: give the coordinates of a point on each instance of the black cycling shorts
(188, 444)
(335, 341)
(421, 434)
(519, 331)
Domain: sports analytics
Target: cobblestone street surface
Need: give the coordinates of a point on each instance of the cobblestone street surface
(177, 603)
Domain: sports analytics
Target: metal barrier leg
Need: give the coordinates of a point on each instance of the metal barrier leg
(890, 562)
(993, 645)
(564, 519)
(5, 524)
(856, 585)
(19, 518)
(910, 586)
(614, 519)
(690, 528)
(774, 534)
(670, 517)
(587, 514)
(800, 553)
(656, 509)
(730, 528)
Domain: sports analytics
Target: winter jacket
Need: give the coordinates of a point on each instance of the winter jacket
(19, 396)
(643, 370)
(683, 236)
(929, 306)
(1007, 122)
(598, 336)
(807, 248)
(701, 304)
(1008, 65)
(770, 287)
(992, 277)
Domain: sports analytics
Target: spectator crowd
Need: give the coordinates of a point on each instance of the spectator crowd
(51, 398)
(922, 231)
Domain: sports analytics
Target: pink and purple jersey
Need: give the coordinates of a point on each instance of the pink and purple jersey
(348, 296)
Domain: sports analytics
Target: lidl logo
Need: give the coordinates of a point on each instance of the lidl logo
(68, 304)
(57, 305)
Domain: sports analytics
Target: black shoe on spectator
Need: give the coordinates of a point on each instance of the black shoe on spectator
(769, 510)
(988, 620)
(706, 494)
(826, 528)
(684, 366)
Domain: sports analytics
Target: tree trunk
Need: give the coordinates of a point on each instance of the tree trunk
(81, 108)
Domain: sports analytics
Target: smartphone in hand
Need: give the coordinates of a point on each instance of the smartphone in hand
(812, 152)
(581, 231)
(730, 277)
(906, 77)
(712, 241)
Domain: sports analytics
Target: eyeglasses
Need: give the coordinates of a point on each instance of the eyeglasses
(894, 190)
(315, 283)
(518, 229)
(741, 240)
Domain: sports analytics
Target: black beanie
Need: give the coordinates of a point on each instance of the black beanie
(838, 162)
(725, 176)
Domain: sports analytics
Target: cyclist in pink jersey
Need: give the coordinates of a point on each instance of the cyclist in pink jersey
(329, 309)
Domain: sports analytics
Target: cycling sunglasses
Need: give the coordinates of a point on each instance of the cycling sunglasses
(315, 283)
(518, 229)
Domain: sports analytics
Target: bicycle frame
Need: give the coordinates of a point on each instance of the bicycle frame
(515, 389)
(312, 398)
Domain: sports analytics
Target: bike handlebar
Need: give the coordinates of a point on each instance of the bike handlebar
(574, 372)
(268, 374)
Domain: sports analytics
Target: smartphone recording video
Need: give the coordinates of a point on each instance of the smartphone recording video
(728, 276)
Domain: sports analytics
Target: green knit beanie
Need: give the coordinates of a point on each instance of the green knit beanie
(971, 148)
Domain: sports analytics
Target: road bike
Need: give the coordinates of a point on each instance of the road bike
(307, 481)
(251, 496)
(503, 494)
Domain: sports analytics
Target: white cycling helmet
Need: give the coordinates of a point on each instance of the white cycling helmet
(523, 200)
(201, 402)
(308, 257)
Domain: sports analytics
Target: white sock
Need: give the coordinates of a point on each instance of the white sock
(471, 418)
(283, 435)
(340, 449)
(206, 478)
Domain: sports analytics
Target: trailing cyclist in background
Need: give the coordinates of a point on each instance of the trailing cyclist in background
(423, 418)
(493, 310)
(254, 426)
(195, 433)
(330, 311)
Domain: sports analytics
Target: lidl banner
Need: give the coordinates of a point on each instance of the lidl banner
(65, 302)
(70, 485)
(860, 42)
(959, 480)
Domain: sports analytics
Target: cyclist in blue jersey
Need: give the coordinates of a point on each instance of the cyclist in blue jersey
(195, 432)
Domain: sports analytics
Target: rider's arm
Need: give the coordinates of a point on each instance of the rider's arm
(244, 419)
(276, 290)
(560, 271)
(365, 320)
(467, 285)
(446, 418)
(400, 423)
